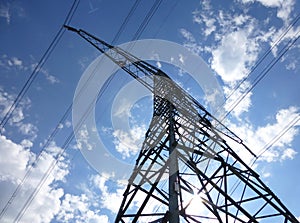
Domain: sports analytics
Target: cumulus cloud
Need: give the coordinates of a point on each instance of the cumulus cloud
(77, 208)
(113, 191)
(237, 102)
(264, 140)
(239, 39)
(233, 57)
(13, 157)
(108, 194)
(16, 160)
(129, 143)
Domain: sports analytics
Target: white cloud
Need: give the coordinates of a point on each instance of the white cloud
(233, 57)
(208, 21)
(17, 117)
(6, 101)
(60, 126)
(15, 161)
(129, 143)
(284, 7)
(83, 138)
(288, 154)
(123, 108)
(13, 62)
(292, 65)
(257, 138)
(187, 35)
(190, 42)
(68, 124)
(114, 193)
(28, 129)
(50, 78)
(26, 143)
(277, 38)
(206, 18)
(234, 99)
(5, 13)
(76, 208)
(107, 194)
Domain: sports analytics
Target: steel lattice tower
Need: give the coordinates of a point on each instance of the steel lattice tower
(187, 169)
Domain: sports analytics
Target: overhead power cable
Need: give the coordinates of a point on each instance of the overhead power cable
(269, 145)
(38, 67)
(56, 159)
(275, 139)
(259, 78)
(147, 19)
(23, 92)
(82, 119)
(276, 43)
(265, 71)
(125, 22)
(71, 136)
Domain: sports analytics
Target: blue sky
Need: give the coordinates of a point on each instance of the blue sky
(230, 36)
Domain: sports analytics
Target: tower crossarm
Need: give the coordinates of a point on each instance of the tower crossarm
(195, 153)
(148, 75)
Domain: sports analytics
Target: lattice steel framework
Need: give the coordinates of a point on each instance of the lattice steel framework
(187, 169)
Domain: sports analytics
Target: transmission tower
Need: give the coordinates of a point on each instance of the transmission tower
(187, 169)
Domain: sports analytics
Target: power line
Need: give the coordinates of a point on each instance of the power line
(60, 154)
(65, 115)
(265, 71)
(147, 19)
(257, 80)
(121, 29)
(290, 125)
(71, 136)
(276, 43)
(38, 67)
(269, 145)
(23, 92)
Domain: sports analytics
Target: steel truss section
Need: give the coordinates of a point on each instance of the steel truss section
(188, 169)
(213, 184)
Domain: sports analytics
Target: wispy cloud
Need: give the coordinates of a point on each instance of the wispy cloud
(5, 12)
(284, 7)
(13, 63)
(17, 118)
(9, 63)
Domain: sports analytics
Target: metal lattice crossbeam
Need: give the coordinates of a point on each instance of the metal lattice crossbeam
(187, 169)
